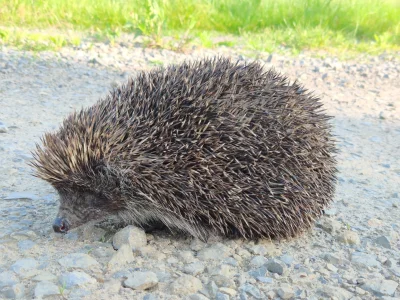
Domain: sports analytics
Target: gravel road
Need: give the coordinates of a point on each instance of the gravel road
(352, 253)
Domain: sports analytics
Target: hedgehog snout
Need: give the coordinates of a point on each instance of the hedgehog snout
(60, 225)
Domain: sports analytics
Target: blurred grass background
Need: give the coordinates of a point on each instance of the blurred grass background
(370, 26)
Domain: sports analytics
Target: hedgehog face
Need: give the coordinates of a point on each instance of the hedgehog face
(77, 208)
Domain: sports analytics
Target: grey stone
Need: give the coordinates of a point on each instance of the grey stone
(44, 276)
(134, 236)
(285, 291)
(78, 261)
(225, 270)
(266, 248)
(16, 291)
(337, 292)
(78, 294)
(103, 252)
(330, 212)
(395, 270)
(242, 253)
(112, 286)
(331, 268)
(333, 259)
(276, 266)
(390, 262)
(123, 256)
(259, 272)
(141, 280)
(228, 291)
(231, 261)
(287, 259)
(364, 260)
(258, 261)
(197, 297)
(186, 257)
(272, 295)
(217, 251)
(325, 76)
(25, 267)
(251, 290)
(121, 274)
(221, 296)
(383, 241)
(212, 288)
(150, 297)
(163, 276)
(7, 278)
(265, 279)
(173, 261)
(46, 288)
(197, 245)
(329, 225)
(185, 285)
(380, 287)
(223, 281)
(72, 236)
(194, 268)
(26, 245)
(75, 278)
(258, 250)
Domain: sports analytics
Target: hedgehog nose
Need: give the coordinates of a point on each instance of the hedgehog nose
(60, 225)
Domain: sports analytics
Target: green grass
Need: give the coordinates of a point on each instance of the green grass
(357, 25)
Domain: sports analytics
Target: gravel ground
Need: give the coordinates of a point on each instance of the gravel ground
(352, 253)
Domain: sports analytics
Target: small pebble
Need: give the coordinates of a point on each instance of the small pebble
(252, 291)
(186, 284)
(123, 256)
(75, 278)
(285, 291)
(380, 287)
(361, 259)
(46, 289)
(131, 235)
(276, 266)
(216, 251)
(383, 241)
(194, 268)
(141, 280)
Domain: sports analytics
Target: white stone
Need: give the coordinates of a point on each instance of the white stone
(185, 285)
(131, 235)
(217, 251)
(122, 257)
(141, 280)
(380, 287)
(46, 288)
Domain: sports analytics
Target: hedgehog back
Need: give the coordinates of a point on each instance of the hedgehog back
(209, 146)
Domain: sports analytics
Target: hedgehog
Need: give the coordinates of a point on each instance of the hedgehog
(205, 147)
